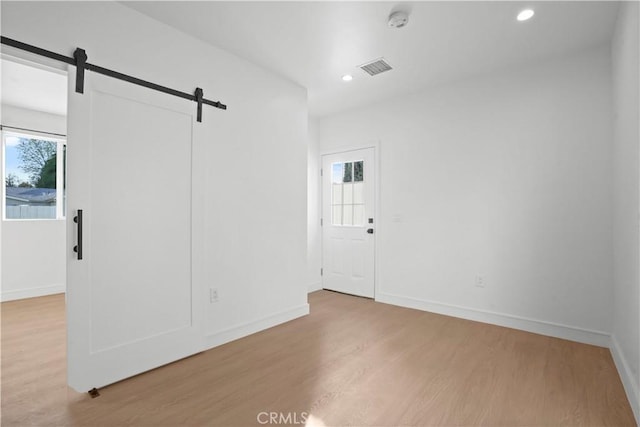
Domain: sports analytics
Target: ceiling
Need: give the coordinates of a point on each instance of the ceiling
(315, 43)
(33, 87)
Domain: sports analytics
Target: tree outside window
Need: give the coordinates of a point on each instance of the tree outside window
(34, 177)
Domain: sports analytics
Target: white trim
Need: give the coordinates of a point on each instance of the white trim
(28, 133)
(630, 383)
(60, 180)
(536, 326)
(348, 149)
(33, 60)
(32, 292)
(244, 329)
(312, 287)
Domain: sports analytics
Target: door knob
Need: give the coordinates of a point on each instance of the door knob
(370, 231)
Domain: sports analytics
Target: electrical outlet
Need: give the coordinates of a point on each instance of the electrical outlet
(213, 295)
(480, 281)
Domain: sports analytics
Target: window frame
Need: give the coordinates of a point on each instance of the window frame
(61, 182)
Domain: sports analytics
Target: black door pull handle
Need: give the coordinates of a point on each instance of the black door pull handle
(78, 220)
(370, 231)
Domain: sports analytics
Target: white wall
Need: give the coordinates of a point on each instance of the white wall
(34, 120)
(507, 176)
(314, 254)
(255, 205)
(33, 252)
(626, 202)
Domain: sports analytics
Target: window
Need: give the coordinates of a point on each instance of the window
(34, 176)
(347, 193)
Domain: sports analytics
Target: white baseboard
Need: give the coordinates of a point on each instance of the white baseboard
(248, 328)
(630, 383)
(314, 287)
(31, 292)
(541, 327)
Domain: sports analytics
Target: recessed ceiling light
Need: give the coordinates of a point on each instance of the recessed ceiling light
(525, 15)
(347, 77)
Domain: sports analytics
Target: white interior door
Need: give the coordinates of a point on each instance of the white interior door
(348, 226)
(132, 300)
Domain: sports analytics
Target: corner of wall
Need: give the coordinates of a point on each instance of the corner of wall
(630, 383)
(536, 326)
(314, 233)
(312, 287)
(625, 337)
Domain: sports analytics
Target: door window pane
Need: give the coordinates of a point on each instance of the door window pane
(358, 193)
(337, 172)
(347, 215)
(336, 196)
(347, 194)
(348, 172)
(347, 191)
(336, 217)
(358, 215)
(357, 171)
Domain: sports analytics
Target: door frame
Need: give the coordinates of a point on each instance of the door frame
(376, 146)
(41, 62)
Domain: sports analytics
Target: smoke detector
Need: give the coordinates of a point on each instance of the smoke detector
(398, 19)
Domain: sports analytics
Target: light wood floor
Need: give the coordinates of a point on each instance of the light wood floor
(351, 362)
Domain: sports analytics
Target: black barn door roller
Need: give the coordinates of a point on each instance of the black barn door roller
(79, 60)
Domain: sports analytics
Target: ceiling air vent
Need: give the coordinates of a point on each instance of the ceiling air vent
(376, 67)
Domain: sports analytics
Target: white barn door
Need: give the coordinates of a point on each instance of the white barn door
(132, 300)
